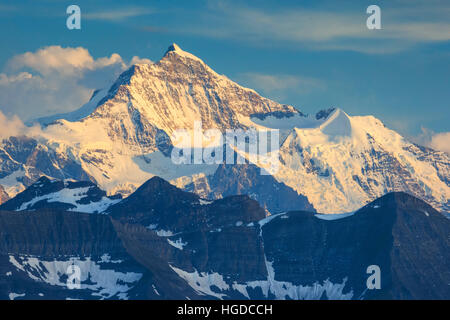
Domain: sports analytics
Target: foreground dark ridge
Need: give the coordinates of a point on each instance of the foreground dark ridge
(164, 243)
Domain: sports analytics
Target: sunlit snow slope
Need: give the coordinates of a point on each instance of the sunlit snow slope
(122, 138)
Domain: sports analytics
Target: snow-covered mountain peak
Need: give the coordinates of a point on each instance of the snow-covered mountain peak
(121, 138)
(113, 135)
(332, 122)
(358, 157)
(174, 49)
(176, 91)
(323, 114)
(337, 124)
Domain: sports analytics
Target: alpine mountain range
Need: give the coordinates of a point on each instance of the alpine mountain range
(97, 188)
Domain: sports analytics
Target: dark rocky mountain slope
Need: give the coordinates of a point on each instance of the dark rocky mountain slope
(81, 196)
(164, 243)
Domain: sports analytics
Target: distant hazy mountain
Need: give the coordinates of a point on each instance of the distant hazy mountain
(334, 162)
(246, 179)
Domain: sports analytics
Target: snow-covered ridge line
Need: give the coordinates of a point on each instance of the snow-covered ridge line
(73, 197)
(67, 195)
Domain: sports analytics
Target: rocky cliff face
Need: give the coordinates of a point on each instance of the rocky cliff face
(37, 250)
(164, 243)
(3, 195)
(379, 234)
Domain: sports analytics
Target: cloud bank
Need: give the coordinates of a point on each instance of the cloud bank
(441, 141)
(55, 80)
(437, 141)
(13, 126)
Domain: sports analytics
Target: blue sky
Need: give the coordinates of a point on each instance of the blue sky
(310, 54)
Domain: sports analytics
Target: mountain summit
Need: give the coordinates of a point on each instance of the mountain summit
(173, 47)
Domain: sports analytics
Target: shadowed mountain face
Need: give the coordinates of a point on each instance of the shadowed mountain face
(165, 243)
(402, 235)
(38, 248)
(246, 179)
(159, 205)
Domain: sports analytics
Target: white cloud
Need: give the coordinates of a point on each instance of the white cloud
(137, 60)
(13, 126)
(5, 79)
(441, 141)
(117, 15)
(437, 141)
(62, 60)
(55, 80)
